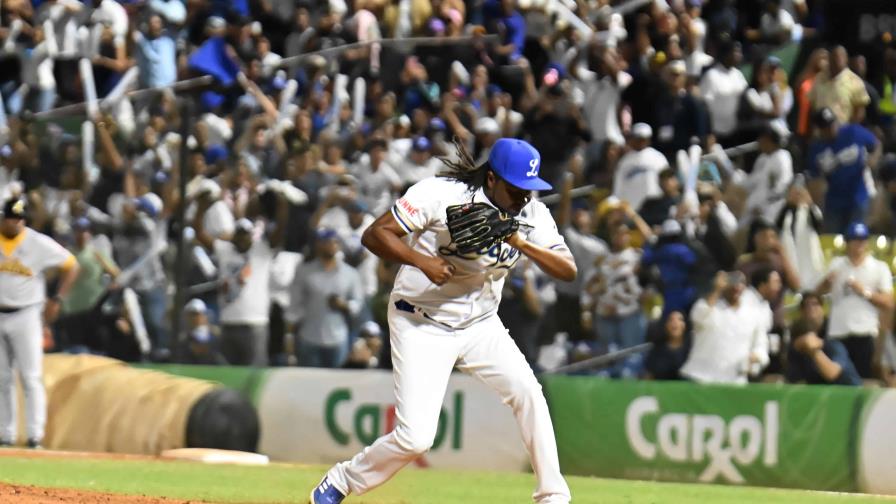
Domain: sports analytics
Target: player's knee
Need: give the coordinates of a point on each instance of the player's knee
(524, 391)
(414, 442)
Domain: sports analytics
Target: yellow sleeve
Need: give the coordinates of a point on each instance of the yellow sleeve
(68, 263)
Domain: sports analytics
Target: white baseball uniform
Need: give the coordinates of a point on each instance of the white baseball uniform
(23, 261)
(435, 327)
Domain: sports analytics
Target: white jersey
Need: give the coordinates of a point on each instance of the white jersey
(23, 261)
(474, 292)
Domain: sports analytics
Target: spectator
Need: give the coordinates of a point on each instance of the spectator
(244, 265)
(200, 339)
(840, 90)
(616, 294)
(729, 343)
(775, 25)
(860, 286)
(800, 223)
(157, 54)
(575, 220)
(813, 359)
(326, 294)
(657, 209)
(80, 307)
(871, 119)
(637, 174)
(528, 296)
(136, 242)
(680, 117)
(602, 79)
(772, 173)
(764, 291)
(420, 164)
(366, 349)
(841, 155)
(670, 350)
(721, 88)
(379, 184)
(761, 103)
(817, 65)
(676, 262)
(765, 252)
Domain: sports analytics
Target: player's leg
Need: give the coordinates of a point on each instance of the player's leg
(28, 351)
(490, 355)
(423, 356)
(7, 383)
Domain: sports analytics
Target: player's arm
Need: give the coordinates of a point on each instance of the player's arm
(557, 263)
(384, 238)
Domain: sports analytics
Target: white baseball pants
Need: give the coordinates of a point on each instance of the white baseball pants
(423, 356)
(21, 340)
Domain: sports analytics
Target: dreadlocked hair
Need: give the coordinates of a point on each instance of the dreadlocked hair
(464, 169)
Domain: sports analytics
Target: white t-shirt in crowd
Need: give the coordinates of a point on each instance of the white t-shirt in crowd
(621, 292)
(767, 184)
(218, 220)
(474, 292)
(638, 176)
(602, 97)
(411, 172)
(724, 339)
(721, 88)
(377, 186)
(851, 314)
(249, 302)
(585, 249)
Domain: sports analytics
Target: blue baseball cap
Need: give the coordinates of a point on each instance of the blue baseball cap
(517, 162)
(421, 144)
(857, 231)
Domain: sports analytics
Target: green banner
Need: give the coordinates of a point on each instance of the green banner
(783, 436)
(247, 380)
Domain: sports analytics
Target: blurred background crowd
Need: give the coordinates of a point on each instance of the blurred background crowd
(708, 157)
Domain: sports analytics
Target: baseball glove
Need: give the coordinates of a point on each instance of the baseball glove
(478, 226)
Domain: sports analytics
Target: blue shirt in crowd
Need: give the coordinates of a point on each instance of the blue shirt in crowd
(158, 61)
(675, 261)
(842, 162)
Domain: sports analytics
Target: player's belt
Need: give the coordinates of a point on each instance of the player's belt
(9, 309)
(404, 306)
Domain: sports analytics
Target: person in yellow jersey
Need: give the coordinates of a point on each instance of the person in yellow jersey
(25, 255)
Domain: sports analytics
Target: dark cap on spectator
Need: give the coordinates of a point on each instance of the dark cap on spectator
(824, 118)
(14, 208)
(857, 231)
(376, 142)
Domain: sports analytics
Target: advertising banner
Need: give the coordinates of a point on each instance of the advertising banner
(325, 416)
(793, 436)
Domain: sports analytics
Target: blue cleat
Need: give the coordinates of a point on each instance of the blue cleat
(326, 493)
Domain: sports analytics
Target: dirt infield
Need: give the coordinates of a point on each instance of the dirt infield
(38, 495)
(23, 453)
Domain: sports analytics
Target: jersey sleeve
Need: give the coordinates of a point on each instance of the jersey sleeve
(54, 255)
(419, 206)
(544, 232)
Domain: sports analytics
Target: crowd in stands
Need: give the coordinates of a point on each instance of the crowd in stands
(715, 256)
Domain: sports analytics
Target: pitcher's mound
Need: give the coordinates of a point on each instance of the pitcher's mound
(210, 456)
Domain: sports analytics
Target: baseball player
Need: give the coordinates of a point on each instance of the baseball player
(25, 255)
(443, 309)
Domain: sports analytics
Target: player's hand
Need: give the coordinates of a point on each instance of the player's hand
(437, 269)
(51, 310)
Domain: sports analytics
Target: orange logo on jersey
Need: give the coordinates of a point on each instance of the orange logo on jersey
(15, 267)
